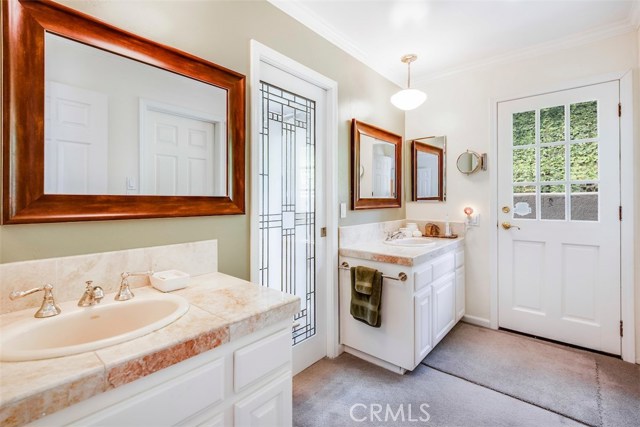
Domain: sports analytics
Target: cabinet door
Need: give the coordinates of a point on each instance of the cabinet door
(270, 406)
(460, 293)
(423, 327)
(444, 306)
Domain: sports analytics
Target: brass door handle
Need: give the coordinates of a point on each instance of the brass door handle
(507, 226)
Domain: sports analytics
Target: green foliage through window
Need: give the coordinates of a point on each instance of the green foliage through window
(524, 165)
(552, 124)
(584, 120)
(524, 128)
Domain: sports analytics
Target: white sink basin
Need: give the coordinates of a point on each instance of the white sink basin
(89, 328)
(412, 242)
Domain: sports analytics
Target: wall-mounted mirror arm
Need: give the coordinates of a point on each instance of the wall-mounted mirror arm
(470, 162)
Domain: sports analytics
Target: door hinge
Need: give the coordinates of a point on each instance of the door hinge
(620, 212)
(323, 232)
(619, 109)
(621, 329)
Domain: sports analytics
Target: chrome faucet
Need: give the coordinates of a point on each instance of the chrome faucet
(48, 308)
(124, 293)
(92, 295)
(394, 235)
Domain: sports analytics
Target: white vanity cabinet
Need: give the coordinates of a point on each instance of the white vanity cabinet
(246, 382)
(416, 313)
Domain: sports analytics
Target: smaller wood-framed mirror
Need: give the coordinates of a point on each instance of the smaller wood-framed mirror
(375, 167)
(428, 163)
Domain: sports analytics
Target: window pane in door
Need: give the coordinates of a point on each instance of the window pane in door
(552, 163)
(524, 202)
(524, 165)
(584, 202)
(584, 161)
(524, 128)
(552, 124)
(584, 120)
(552, 202)
(286, 202)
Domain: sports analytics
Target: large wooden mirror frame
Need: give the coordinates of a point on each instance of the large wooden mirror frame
(23, 201)
(362, 131)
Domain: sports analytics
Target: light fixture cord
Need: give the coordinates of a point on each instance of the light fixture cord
(409, 75)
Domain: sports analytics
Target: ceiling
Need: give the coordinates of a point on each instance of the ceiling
(454, 35)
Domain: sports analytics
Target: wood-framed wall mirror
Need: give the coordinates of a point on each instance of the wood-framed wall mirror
(376, 174)
(428, 168)
(102, 124)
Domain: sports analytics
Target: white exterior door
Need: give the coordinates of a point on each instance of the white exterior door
(559, 189)
(76, 137)
(178, 156)
(291, 203)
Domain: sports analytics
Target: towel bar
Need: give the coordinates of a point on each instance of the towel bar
(401, 276)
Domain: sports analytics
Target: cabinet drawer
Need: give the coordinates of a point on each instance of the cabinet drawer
(460, 258)
(256, 360)
(422, 278)
(166, 404)
(443, 265)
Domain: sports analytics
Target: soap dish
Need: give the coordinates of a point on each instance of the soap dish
(169, 280)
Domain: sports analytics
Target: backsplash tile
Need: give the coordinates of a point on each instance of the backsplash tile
(69, 274)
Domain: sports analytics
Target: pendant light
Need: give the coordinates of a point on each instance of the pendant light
(408, 99)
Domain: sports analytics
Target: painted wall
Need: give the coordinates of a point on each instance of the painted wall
(459, 107)
(219, 31)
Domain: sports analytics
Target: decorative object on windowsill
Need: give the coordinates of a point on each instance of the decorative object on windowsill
(408, 99)
(470, 162)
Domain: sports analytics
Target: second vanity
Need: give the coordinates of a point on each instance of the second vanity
(417, 312)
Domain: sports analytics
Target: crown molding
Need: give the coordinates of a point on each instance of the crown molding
(591, 36)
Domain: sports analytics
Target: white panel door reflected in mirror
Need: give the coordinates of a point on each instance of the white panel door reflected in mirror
(428, 168)
(377, 168)
(116, 126)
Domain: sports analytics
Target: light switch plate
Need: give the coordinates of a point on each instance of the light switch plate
(343, 210)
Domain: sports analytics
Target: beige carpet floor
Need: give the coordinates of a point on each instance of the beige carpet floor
(476, 381)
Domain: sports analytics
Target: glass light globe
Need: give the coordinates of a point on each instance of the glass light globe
(408, 99)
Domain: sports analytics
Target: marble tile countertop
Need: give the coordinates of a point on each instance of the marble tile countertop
(222, 309)
(401, 255)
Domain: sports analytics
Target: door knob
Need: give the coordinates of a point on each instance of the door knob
(507, 226)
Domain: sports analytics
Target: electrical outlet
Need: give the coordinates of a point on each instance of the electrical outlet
(473, 220)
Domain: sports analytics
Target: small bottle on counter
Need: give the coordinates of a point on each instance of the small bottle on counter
(447, 227)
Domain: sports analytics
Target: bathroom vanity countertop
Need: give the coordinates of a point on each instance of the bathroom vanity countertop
(222, 309)
(400, 255)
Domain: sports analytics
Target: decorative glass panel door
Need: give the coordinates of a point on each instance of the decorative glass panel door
(558, 195)
(289, 203)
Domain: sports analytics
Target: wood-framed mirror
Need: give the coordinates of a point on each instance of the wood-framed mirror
(376, 174)
(50, 136)
(428, 169)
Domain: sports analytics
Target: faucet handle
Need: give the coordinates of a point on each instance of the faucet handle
(49, 307)
(124, 293)
(96, 291)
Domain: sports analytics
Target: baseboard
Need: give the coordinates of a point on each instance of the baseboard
(372, 359)
(478, 321)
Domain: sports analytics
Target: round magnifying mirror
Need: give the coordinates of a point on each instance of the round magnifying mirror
(468, 162)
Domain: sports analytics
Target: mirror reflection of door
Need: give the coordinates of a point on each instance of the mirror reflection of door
(377, 168)
(427, 171)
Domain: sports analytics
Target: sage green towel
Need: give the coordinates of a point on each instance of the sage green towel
(366, 308)
(364, 279)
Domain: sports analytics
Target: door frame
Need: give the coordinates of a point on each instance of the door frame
(627, 226)
(262, 53)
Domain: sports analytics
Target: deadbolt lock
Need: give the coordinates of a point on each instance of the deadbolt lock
(506, 209)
